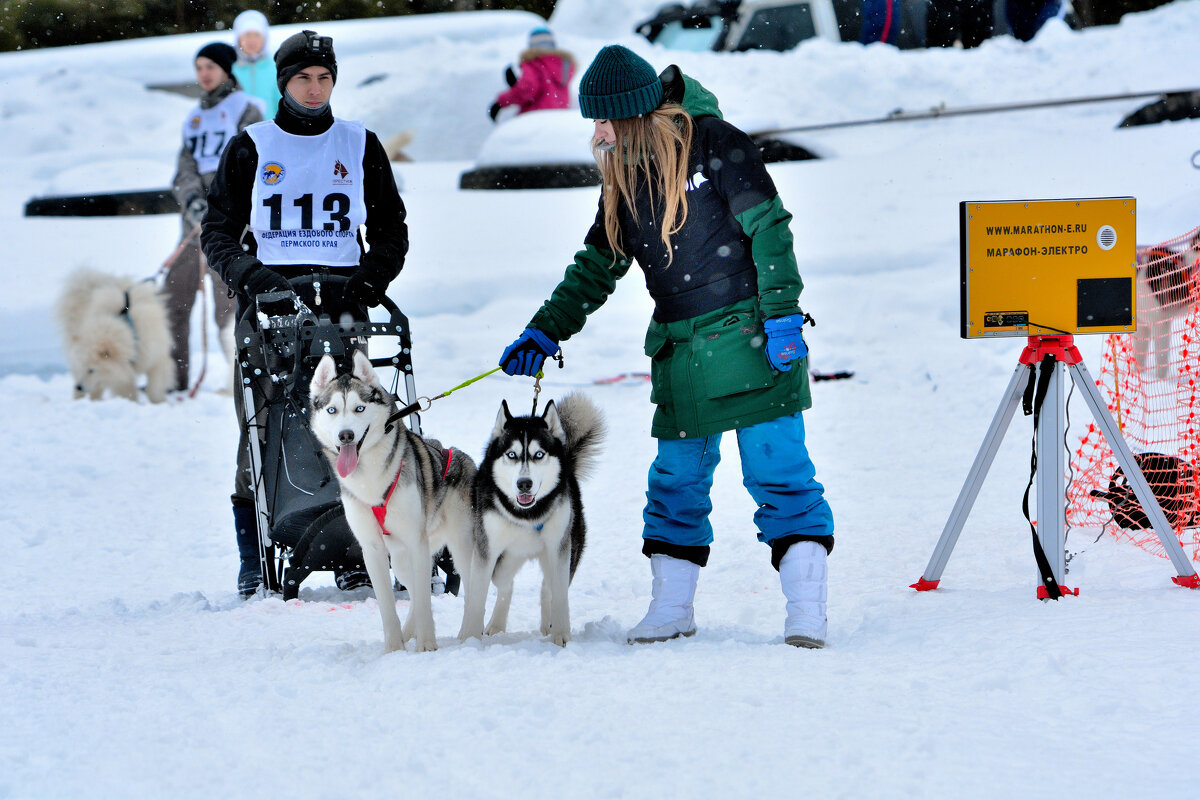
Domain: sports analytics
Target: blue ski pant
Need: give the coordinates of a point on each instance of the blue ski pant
(776, 470)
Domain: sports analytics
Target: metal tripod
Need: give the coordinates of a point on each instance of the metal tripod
(1051, 466)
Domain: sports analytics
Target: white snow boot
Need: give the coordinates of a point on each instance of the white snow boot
(803, 576)
(670, 613)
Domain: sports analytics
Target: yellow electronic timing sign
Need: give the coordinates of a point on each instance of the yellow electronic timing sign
(1040, 267)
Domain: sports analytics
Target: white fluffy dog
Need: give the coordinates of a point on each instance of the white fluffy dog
(113, 330)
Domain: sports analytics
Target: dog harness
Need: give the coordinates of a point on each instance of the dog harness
(129, 321)
(380, 511)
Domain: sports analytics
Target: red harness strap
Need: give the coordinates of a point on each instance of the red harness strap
(380, 511)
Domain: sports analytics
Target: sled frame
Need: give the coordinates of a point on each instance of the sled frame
(307, 341)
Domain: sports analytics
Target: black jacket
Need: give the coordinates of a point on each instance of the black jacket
(231, 251)
(713, 262)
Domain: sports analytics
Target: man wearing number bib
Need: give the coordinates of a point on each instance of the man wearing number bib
(303, 188)
(224, 111)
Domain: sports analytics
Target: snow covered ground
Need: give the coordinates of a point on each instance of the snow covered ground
(129, 667)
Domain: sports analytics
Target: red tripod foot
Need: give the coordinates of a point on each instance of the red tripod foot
(923, 585)
(1188, 581)
(1067, 591)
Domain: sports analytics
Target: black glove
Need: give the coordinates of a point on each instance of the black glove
(493, 111)
(510, 76)
(262, 280)
(194, 212)
(364, 288)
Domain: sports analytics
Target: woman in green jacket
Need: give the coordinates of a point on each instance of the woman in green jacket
(687, 195)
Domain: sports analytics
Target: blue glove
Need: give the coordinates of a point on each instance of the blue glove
(526, 355)
(785, 341)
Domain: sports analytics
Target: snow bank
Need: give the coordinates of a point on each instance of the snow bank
(130, 668)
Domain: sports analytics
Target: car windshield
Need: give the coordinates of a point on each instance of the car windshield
(696, 39)
(778, 28)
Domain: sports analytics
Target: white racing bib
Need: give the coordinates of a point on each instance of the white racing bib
(307, 203)
(206, 131)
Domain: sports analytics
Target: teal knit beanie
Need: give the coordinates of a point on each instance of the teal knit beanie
(619, 84)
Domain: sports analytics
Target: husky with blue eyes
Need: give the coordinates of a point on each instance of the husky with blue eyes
(527, 505)
(405, 497)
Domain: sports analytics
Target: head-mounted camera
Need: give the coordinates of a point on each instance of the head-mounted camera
(321, 46)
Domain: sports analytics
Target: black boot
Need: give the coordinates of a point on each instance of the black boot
(351, 578)
(453, 580)
(245, 522)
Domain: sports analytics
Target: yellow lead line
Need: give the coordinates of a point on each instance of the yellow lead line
(469, 382)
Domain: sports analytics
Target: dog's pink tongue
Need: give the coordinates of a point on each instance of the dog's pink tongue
(347, 459)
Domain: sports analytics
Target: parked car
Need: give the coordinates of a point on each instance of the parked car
(725, 25)
(737, 25)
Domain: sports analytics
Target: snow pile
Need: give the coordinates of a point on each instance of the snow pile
(555, 136)
(131, 669)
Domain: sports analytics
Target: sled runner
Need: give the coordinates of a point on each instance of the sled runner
(280, 340)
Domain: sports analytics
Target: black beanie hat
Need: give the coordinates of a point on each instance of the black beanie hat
(301, 50)
(221, 54)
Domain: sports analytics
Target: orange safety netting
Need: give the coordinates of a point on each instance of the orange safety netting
(1151, 381)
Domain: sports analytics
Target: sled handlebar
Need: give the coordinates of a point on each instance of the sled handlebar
(293, 314)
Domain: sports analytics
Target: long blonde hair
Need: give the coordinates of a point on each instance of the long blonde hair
(662, 138)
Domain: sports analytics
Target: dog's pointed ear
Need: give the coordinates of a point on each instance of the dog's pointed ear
(363, 369)
(502, 418)
(554, 422)
(326, 372)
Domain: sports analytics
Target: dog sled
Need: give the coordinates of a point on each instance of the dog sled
(280, 340)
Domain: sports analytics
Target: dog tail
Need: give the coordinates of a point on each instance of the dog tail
(584, 425)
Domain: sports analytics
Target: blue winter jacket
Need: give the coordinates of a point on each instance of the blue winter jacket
(258, 80)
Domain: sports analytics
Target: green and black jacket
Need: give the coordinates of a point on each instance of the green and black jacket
(734, 266)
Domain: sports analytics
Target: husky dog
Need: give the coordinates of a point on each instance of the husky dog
(527, 505)
(1167, 281)
(114, 329)
(405, 497)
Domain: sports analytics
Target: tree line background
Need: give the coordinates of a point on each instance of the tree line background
(27, 24)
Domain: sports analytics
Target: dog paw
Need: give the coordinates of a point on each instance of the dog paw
(560, 639)
(391, 645)
(422, 644)
(492, 630)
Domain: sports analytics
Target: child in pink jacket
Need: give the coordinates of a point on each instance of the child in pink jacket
(545, 77)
